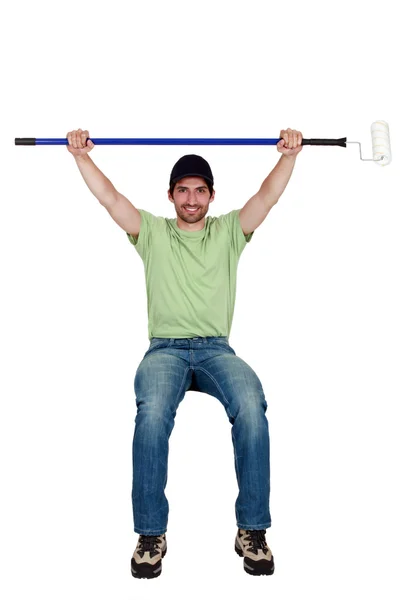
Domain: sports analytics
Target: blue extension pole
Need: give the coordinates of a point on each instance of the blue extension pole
(167, 141)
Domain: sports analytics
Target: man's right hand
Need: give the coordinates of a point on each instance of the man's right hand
(77, 142)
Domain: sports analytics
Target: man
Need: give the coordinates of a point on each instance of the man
(190, 268)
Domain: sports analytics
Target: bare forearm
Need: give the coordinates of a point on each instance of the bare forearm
(96, 181)
(274, 185)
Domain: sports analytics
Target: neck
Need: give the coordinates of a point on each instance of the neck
(190, 226)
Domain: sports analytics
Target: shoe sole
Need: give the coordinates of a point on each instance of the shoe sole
(255, 567)
(145, 570)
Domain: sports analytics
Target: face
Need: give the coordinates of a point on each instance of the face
(191, 193)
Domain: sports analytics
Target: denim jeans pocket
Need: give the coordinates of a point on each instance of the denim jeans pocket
(223, 343)
(157, 343)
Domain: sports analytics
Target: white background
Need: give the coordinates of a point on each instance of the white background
(317, 302)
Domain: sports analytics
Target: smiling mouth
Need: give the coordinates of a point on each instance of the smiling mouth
(190, 210)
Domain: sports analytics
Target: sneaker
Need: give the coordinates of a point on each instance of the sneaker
(251, 544)
(146, 560)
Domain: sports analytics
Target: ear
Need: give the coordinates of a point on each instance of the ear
(170, 198)
(212, 197)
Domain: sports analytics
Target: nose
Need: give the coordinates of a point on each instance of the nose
(191, 199)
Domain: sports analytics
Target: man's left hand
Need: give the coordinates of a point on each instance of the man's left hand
(290, 144)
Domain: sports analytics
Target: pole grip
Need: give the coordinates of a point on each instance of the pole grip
(25, 141)
(315, 142)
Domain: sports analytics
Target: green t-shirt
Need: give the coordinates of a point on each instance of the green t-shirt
(190, 275)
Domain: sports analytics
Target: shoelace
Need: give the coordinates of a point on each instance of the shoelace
(149, 543)
(257, 540)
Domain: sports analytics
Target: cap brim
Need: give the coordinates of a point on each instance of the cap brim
(176, 179)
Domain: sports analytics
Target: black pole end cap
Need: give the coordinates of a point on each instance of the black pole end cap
(25, 141)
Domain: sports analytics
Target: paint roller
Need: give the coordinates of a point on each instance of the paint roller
(381, 153)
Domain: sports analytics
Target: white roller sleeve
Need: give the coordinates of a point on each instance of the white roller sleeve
(381, 143)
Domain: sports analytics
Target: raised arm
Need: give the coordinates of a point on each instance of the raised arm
(120, 208)
(257, 208)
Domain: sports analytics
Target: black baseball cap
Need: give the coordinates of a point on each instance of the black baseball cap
(191, 165)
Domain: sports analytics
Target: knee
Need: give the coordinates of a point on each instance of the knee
(154, 413)
(153, 409)
(251, 408)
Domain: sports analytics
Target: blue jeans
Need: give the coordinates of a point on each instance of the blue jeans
(170, 368)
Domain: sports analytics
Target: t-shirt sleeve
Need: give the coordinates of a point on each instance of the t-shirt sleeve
(142, 242)
(238, 239)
